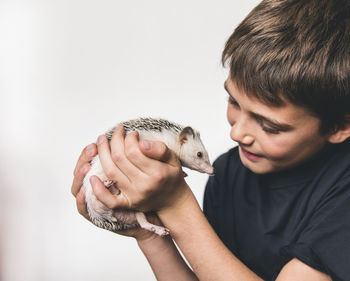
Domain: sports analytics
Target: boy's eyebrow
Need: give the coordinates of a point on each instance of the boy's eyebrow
(268, 121)
(273, 123)
(225, 87)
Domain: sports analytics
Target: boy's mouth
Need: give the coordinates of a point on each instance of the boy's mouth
(249, 155)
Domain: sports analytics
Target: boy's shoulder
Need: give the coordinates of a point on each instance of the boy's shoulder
(339, 154)
(337, 163)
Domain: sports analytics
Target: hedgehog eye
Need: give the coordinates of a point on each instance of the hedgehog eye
(199, 154)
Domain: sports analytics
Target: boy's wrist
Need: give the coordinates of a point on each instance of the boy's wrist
(170, 214)
(183, 198)
(174, 215)
(153, 243)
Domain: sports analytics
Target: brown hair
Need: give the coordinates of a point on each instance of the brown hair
(296, 51)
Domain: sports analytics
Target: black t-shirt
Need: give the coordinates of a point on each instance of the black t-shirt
(303, 212)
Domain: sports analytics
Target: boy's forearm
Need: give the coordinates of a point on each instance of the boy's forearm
(165, 260)
(207, 255)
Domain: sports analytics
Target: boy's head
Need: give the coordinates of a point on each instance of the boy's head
(295, 51)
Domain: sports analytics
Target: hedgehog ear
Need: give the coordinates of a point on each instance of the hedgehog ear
(185, 133)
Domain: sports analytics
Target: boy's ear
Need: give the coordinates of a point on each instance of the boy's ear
(341, 133)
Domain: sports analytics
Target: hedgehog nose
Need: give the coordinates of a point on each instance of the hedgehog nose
(213, 172)
(210, 171)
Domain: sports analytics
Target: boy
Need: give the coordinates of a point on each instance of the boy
(279, 205)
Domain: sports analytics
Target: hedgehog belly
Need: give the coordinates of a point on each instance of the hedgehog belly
(109, 219)
(100, 214)
(122, 220)
(126, 217)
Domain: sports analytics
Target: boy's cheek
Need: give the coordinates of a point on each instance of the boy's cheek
(230, 115)
(287, 155)
(275, 147)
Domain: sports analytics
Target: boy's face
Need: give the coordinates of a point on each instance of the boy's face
(271, 138)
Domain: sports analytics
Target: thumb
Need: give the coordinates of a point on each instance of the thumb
(157, 150)
(106, 197)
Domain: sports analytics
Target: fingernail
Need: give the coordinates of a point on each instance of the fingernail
(93, 180)
(146, 144)
(100, 139)
(90, 150)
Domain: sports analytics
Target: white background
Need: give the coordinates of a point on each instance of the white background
(69, 70)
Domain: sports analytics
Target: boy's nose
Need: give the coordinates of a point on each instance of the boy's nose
(241, 135)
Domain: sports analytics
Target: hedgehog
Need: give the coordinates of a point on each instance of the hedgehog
(184, 141)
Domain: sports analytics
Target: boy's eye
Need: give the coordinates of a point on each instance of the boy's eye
(232, 101)
(270, 130)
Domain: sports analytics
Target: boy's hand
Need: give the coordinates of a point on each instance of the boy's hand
(148, 174)
(82, 167)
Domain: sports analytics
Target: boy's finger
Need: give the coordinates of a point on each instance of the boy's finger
(81, 205)
(79, 177)
(82, 167)
(136, 156)
(120, 158)
(111, 170)
(86, 156)
(146, 155)
(158, 151)
(106, 197)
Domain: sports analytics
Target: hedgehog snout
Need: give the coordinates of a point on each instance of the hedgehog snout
(210, 170)
(207, 168)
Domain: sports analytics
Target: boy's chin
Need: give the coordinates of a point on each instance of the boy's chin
(258, 170)
(260, 167)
